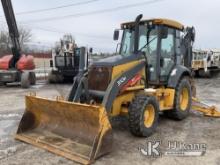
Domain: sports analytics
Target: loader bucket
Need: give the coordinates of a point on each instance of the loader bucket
(75, 131)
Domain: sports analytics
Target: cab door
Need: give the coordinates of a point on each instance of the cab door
(151, 51)
(167, 58)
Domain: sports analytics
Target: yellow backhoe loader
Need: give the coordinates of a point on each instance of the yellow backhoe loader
(150, 74)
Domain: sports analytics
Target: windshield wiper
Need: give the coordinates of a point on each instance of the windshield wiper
(148, 43)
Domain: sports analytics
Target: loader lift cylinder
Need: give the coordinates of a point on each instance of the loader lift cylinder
(76, 88)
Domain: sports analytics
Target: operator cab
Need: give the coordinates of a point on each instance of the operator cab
(159, 40)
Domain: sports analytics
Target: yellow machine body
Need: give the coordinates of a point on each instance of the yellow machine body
(82, 131)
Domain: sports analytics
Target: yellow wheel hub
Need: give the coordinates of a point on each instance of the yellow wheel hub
(184, 99)
(149, 116)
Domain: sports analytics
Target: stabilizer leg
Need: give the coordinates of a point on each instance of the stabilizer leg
(207, 110)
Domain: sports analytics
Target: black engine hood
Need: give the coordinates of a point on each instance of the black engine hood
(116, 60)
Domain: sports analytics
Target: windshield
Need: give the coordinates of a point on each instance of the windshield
(200, 56)
(127, 45)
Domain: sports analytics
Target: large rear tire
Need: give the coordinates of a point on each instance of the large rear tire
(33, 78)
(182, 100)
(143, 115)
(193, 73)
(205, 74)
(55, 78)
(25, 80)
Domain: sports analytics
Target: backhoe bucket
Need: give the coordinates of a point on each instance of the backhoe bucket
(78, 132)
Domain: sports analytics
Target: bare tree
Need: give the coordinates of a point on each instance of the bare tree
(5, 43)
(25, 36)
(68, 38)
(66, 42)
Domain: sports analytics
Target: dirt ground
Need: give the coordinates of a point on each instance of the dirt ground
(194, 129)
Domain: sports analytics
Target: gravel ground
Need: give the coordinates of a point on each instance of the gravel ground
(195, 129)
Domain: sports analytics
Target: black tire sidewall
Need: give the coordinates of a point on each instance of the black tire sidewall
(180, 114)
(51, 77)
(136, 115)
(33, 78)
(25, 80)
(148, 131)
(54, 78)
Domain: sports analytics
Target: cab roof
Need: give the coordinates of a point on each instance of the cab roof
(158, 21)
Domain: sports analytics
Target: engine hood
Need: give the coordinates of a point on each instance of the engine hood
(116, 60)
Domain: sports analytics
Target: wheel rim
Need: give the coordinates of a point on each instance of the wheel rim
(149, 116)
(184, 99)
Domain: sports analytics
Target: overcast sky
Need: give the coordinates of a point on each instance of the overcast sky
(97, 30)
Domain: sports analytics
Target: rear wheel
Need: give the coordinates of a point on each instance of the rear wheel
(143, 115)
(32, 78)
(182, 102)
(67, 79)
(203, 73)
(25, 80)
(193, 73)
(55, 78)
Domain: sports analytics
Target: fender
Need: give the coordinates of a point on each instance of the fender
(117, 84)
(176, 74)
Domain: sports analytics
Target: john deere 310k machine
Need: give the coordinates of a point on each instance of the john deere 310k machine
(149, 76)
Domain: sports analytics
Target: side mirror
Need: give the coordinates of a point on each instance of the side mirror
(91, 50)
(193, 34)
(51, 63)
(163, 32)
(116, 35)
(162, 62)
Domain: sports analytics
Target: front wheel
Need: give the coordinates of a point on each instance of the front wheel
(143, 115)
(182, 100)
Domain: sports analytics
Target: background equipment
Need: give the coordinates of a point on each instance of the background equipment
(205, 63)
(147, 77)
(66, 61)
(15, 67)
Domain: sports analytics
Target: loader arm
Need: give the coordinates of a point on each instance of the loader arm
(210, 111)
(117, 84)
(80, 87)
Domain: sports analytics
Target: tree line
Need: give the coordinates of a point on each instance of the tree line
(5, 40)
